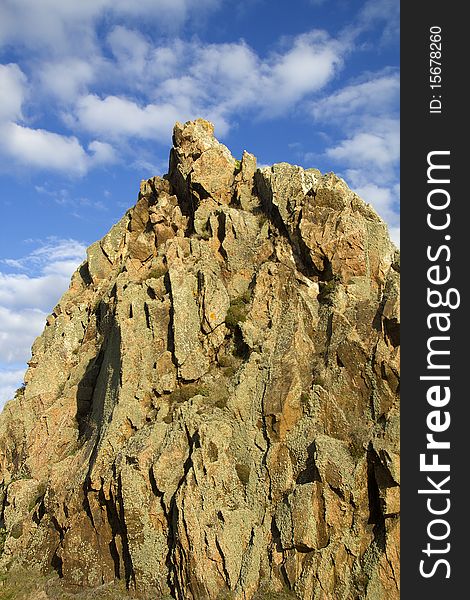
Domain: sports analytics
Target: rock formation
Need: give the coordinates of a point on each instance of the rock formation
(212, 408)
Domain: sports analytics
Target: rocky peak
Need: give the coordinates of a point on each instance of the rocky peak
(200, 167)
(212, 408)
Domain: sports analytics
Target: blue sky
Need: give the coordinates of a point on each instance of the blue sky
(90, 90)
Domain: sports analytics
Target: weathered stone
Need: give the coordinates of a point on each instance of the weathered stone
(212, 408)
(199, 165)
(245, 182)
(192, 364)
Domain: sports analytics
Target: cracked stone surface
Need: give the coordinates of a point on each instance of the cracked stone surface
(212, 409)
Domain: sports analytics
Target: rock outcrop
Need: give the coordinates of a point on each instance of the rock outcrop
(212, 408)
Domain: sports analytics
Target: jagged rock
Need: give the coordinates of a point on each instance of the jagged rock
(199, 165)
(212, 409)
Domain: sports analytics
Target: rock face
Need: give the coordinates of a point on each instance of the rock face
(212, 408)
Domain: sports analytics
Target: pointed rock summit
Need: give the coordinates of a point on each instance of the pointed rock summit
(212, 409)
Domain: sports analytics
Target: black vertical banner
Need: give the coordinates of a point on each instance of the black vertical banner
(435, 240)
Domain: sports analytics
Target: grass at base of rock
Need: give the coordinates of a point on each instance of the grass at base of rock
(31, 585)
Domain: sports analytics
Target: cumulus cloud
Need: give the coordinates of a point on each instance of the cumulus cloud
(101, 153)
(43, 149)
(123, 86)
(18, 329)
(115, 85)
(223, 75)
(20, 290)
(376, 95)
(215, 80)
(30, 286)
(232, 77)
(307, 67)
(40, 148)
(10, 381)
(369, 149)
(377, 146)
(66, 78)
(383, 196)
(131, 51)
(169, 11)
(60, 28)
(12, 88)
(114, 117)
(385, 11)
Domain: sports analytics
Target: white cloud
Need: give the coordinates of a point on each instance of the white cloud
(383, 195)
(164, 60)
(117, 81)
(382, 199)
(40, 148)
(168, 11)
(43, 149)
(377, 147)
(122, 87)
(18, 329)
(12, 92)
(51, 24)
(307, 67)
(386, 11)
(10, 381)
(64, 197)
(64, 27)
(394, 232)
(30, 287)
(51, 249)
(369, 150)
(114, 117)
(231, 77)
(65, 78)
(217, 81)
(372, 157)
(18, 290)
(41, 276)
(101, 153)
(374, 10)
(130, 49)
(188, 96)
(227, 76)
(377, 95)
(70, 59)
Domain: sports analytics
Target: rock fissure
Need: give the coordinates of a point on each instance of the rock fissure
(129, 573)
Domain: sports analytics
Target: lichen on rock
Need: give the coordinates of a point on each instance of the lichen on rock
(212, 408)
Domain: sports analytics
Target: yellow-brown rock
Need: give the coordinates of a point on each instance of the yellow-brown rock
(212, 409)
